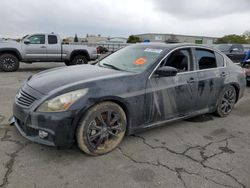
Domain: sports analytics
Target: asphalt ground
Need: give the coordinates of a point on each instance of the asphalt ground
(201, 152)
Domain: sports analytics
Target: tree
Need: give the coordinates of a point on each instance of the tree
(247, 35)
(76, 38)
(240, 39)
(133, 39)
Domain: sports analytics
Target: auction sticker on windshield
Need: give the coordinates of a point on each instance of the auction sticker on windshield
(140, 61)
(158, 51)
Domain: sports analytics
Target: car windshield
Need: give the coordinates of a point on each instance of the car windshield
(223, 47)
(132, 58)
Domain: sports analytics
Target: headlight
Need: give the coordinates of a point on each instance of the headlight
(61, 102)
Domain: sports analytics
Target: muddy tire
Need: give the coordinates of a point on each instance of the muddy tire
(9, 63)
(226, 101)
(78, 60)
(101, 129)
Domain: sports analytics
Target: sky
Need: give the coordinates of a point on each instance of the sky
(121, 18)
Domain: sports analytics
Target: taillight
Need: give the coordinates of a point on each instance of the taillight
(97, 50)
(247, 72)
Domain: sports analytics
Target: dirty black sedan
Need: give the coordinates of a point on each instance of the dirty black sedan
(138, 87)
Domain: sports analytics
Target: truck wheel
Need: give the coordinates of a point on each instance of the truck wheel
(79, 59)
(68, 63)
(248, 83)
(9, 63)
(101, 129)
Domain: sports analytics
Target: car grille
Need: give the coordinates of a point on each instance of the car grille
(25, 99)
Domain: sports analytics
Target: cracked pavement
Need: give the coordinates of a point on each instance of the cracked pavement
(202, 152)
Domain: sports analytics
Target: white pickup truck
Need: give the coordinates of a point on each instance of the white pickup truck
(43, 48)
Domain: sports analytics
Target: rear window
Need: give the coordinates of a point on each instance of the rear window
(237, 48)
(205, 59)
(223, 47)
(220, 60)
(52, 39)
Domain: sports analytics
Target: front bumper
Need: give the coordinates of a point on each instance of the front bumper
(59, 126)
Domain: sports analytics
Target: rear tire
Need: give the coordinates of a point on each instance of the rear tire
(226, 101)
(78, 60)
(9, 63)
(101, 129)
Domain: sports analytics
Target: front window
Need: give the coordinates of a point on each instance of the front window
(37, 39)
(179, 59)
(133, 58)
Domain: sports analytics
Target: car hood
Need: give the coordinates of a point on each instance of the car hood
(62, 77)
(8, 43)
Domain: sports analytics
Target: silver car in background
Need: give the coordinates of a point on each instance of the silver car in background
(43, 48)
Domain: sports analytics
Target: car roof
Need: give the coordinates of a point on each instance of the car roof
(171, 46)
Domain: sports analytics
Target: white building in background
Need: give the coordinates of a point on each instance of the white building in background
(173, 38)
(118, 40)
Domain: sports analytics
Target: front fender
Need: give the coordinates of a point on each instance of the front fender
(11, 50)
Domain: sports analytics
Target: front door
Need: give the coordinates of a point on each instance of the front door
(172, 97)
(36, 49)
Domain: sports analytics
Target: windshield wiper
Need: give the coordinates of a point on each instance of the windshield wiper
(112, 66)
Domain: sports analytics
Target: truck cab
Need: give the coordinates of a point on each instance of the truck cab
(234, 51)
(42, 47)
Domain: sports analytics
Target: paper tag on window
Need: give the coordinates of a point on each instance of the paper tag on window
(153, 50)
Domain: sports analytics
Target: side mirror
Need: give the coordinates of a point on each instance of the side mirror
(166, 71)
(26, 41)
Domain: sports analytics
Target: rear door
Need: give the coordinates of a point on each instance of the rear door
(171, 97)
(211, 76)
(54, 48)
(36, 50)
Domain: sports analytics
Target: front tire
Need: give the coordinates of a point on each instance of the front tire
(226, 101)
(101, 129)
(9, 63)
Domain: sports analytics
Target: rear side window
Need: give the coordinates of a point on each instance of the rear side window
(52, 39)
(205, 59)
(219, 59)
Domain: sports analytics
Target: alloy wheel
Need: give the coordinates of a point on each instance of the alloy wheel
(8, 63)
(228, 101)
(105, 130)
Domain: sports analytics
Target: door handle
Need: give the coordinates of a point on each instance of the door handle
(190, 81)
(43, 47)
(223, 74)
